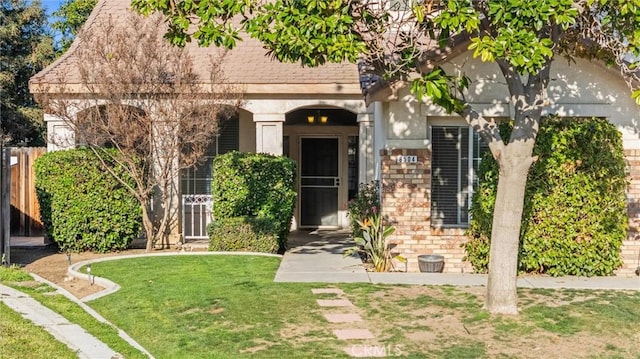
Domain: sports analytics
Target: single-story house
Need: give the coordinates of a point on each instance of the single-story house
(341, 131)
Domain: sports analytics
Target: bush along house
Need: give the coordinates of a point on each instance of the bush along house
(344, 129)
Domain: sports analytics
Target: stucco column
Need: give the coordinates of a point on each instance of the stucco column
(60, 134)
(378, 137)
(269, 132)
(167, 176)
(366, 167)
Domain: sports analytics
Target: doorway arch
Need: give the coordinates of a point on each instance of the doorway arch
(324, 143)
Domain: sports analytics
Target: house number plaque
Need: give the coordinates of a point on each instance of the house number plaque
(407, 159)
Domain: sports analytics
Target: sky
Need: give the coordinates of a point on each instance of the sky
(51, 5)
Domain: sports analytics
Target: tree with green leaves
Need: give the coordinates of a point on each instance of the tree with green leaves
(25, 48)
(405, 41)
(70, 17)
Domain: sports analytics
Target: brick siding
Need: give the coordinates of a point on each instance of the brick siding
(406, 204)
(630, 251)
(406, 192)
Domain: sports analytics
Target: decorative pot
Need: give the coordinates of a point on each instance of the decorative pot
(431, 263)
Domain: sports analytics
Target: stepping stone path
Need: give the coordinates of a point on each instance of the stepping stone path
(334, 303)
(346, 318)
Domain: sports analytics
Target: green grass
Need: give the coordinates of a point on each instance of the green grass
(600, 312)
(215, 307)
(71, 311)
(229, 307)
(466, 350)
(19, 338)
(13, 274)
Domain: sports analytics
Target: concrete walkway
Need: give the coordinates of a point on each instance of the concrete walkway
(86, 345)
(317, 257)
(72, 335)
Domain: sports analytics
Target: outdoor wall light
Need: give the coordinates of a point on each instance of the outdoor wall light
(317, 119)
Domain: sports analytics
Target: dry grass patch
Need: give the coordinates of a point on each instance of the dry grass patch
(450, 322)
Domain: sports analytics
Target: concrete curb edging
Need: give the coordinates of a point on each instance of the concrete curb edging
(111, 287)
(72, 335)
(121, 333)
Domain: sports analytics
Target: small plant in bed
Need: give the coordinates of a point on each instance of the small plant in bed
(374, 243)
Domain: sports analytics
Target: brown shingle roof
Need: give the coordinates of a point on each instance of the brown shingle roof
(246, 64)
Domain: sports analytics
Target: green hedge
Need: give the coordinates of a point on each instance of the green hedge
(255, 185)
(82, 206)
(575, 217)
(243, 234)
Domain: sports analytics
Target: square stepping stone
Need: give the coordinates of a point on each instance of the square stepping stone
(334, 303)
(351, 334)
(366, 351)
(342, 317)
(327, 291)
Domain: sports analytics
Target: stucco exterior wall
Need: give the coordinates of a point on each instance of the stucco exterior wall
(247, 132)
(580, 89)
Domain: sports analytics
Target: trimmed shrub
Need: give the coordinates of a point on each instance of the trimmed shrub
(574, 219)
(243, 234)
(255, 185)
(82, 206)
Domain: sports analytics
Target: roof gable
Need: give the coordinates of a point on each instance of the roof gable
(247, 64)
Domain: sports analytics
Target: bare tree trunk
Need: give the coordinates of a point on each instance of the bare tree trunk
(505, 234)
(147, 223)
(164, 222)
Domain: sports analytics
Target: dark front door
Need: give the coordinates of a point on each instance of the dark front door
(319, 182)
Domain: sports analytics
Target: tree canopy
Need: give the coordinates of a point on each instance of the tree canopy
(397, 37)
(25, 48)
(70, 17)
(406, 41)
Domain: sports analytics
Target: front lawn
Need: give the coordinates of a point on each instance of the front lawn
(20, 338)
(229, 307)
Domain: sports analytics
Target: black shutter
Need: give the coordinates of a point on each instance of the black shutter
(198, 180)
(229, 135)
(445, 174)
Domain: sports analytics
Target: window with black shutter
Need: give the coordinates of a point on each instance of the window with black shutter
(197, 180)
(456, 154)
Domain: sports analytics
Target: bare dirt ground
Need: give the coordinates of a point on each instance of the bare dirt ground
(439, 323)
(48, 263)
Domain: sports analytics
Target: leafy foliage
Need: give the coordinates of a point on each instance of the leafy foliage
(25, 48)
(71, 15)
(216, 27)
(362, 206)
(244, 234)
(575, 217)
(255, 185)
(305, 28)
(374, 242)
(82, 206)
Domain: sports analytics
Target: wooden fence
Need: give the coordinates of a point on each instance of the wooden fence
(25, 211)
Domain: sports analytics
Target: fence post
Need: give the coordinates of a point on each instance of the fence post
(5, 202)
